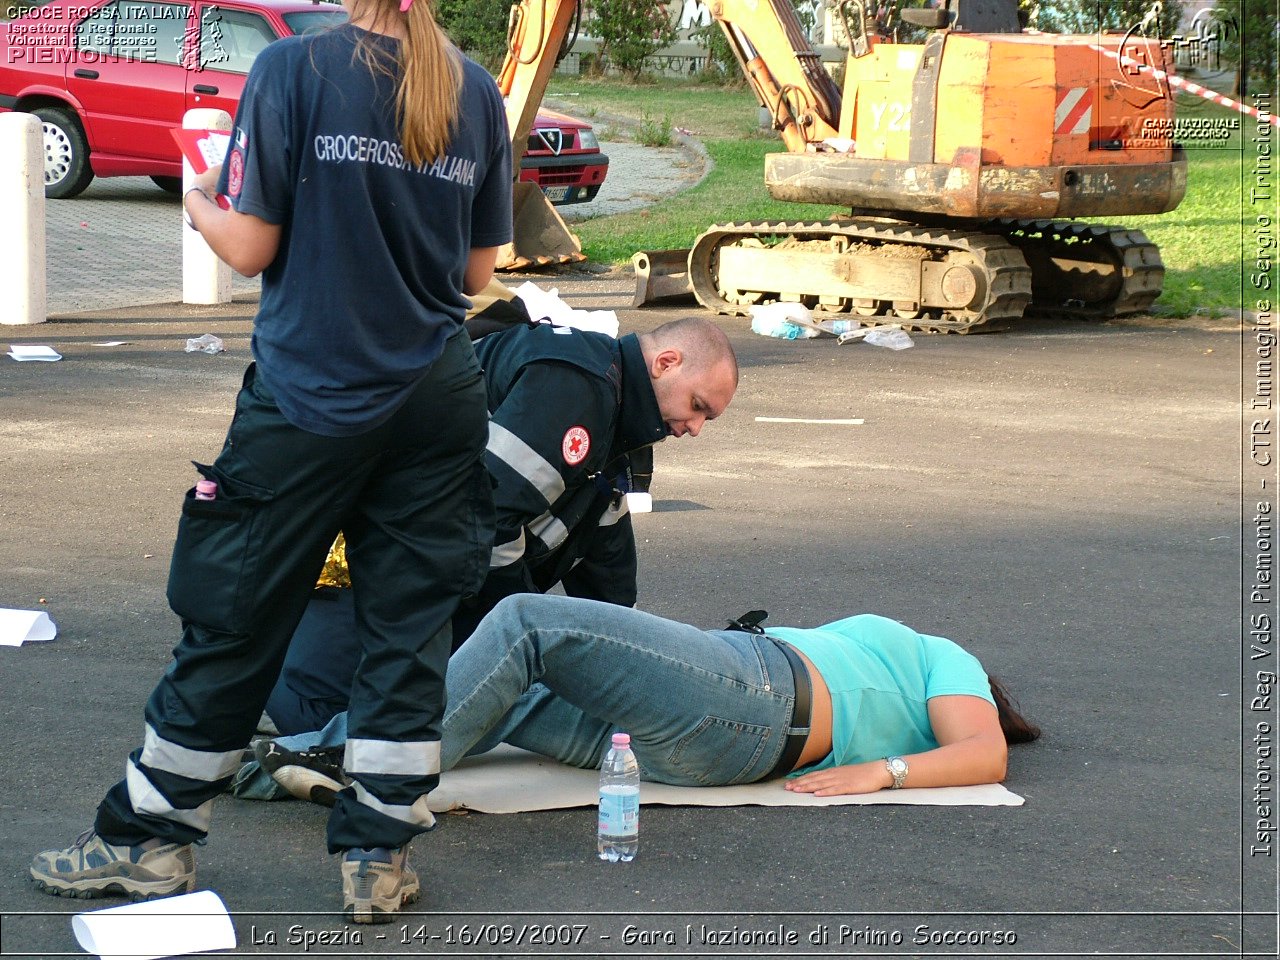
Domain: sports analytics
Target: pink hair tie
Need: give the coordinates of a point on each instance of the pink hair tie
(405, 5)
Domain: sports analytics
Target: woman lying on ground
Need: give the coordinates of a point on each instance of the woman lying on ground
(855, 706)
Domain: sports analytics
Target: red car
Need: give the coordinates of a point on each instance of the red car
(109, 78)
(564, 159)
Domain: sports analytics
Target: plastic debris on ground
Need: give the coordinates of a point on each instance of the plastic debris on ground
(893, 337)
(207, 343)
(784, 321)
(794, 321)
(545, 306)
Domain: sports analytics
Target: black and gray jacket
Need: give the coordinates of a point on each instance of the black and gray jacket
(572, 415)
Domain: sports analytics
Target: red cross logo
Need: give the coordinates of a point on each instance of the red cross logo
(575, 445)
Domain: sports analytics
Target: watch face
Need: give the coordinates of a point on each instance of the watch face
(899, 766)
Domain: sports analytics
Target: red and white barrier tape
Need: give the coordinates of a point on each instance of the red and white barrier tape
(1194, 88)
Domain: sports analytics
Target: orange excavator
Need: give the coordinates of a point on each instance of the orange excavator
(966, 162)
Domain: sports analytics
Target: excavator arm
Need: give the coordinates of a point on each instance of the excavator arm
(783, 69)
(766, 37)
(536, 32)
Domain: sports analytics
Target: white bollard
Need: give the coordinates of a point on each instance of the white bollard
(22, 265)
(205, 278)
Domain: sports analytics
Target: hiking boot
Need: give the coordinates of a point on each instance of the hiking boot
(91, 868)
(376, 883)
(314, 774)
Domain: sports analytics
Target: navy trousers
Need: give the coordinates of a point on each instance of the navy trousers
(415, 503)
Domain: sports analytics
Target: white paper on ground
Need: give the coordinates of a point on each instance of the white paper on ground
(509, 780)
(22, 626)
(547, 305)
(30, 351)
(172, 927)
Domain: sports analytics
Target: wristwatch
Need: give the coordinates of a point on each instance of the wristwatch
(897, 768)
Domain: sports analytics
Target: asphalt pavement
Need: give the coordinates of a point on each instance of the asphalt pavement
(1069, 500)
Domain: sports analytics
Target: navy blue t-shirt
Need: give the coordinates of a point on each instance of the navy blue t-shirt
(367, 284)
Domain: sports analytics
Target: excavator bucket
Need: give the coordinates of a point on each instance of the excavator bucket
(494, 309)
(541, 237)
(660, 275)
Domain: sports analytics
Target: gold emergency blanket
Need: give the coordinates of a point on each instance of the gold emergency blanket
(335, 572)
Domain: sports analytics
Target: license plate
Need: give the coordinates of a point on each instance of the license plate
(556, 194)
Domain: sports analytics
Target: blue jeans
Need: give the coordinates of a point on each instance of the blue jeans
(558, 676)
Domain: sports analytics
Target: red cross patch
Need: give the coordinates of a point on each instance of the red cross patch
(575, 445)
(235, 172)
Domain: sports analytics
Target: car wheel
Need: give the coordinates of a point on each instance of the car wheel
(66, 154)
(168, 184)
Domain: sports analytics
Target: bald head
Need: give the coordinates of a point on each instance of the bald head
(694, 372)
(701, 342)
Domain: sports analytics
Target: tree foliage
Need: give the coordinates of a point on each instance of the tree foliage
(721, 64)
(1075, 16)
(630, 32)
(1248, 31)
(478, 27)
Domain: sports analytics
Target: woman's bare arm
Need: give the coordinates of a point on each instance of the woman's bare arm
(971, 749)
(479, 270)
(246, 243)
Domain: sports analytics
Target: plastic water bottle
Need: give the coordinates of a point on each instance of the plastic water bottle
(206, 489)
(619, 823)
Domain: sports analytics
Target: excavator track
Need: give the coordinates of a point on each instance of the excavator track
(1084, 269)
(929, 279)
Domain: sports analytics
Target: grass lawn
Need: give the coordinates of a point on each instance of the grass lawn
(1200, 241)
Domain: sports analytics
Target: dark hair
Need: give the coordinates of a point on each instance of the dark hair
(1016, 727)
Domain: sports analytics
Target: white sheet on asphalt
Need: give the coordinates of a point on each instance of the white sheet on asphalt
(509, 780)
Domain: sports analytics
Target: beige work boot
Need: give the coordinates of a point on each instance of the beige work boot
(376, 883)
(91, 868)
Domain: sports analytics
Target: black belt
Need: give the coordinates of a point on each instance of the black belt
(794, 746)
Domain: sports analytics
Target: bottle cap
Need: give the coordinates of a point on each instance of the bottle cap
(206, 489)
(622, 739)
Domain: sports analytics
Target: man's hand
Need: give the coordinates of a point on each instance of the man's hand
(838, 781)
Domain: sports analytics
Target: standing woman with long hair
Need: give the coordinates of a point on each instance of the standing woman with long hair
(369, 177)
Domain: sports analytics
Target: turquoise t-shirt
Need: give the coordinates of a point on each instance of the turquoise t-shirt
(881, 675)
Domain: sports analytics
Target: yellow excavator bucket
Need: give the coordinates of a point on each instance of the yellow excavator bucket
(541, 237)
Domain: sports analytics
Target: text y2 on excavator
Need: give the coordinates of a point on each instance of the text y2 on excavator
(966, 162)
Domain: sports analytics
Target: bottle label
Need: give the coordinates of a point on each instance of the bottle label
(619, 811)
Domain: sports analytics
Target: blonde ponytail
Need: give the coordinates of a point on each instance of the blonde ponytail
(429, 68)
(430, 85)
